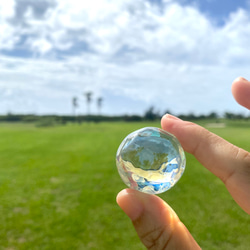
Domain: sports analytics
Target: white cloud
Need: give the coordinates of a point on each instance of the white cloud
(7, 31)
(7, 9)
(173, 57)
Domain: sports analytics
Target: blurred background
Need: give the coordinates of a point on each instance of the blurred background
(177, 55)
(76, 77)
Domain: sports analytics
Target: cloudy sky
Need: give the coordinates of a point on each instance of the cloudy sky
(178, 55)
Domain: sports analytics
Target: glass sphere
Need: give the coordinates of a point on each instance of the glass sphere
(150, 160)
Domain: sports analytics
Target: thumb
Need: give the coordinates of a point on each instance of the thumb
(241, 91)
(157, 225)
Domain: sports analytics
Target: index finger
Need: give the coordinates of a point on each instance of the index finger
(230, 163)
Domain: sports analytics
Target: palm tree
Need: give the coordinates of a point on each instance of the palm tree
(99, 104)
(89, 100)
(74, 104)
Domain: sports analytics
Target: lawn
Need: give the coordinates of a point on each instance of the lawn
(58, 187)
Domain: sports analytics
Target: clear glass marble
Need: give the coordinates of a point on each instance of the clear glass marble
(150, 160)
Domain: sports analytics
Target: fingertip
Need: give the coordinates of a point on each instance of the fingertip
(130, 203)
(241, 91)
(237, 84)
(240, 78)
(156, 223)
(167, 121)
(121, 196)
(170, 117)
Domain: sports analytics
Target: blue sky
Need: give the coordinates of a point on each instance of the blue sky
(219, 10)
(178, 55)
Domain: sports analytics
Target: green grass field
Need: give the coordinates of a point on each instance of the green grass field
(58, 187)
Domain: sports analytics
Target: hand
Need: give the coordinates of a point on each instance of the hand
(156, 223)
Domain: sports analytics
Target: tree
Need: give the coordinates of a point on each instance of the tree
(212, 115)
(151, 115)
(88, 96)
(74, 104)
(99, 104)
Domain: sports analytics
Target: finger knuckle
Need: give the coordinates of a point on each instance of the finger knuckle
(156, 239)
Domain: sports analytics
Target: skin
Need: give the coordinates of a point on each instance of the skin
(157, 225)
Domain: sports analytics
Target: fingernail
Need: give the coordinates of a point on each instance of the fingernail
(242, 79)
(130, 203)
(168, 116)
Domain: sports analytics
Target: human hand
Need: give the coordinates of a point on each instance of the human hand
(156, 223)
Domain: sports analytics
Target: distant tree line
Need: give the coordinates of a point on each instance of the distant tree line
(149, 115)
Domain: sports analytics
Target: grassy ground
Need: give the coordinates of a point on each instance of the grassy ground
(58, 187)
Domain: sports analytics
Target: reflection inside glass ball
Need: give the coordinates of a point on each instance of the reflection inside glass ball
(150, 160)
